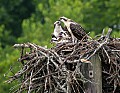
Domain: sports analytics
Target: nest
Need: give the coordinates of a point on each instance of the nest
(58, 70)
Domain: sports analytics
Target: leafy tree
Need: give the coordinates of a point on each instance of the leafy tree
(12, 14)
(101, 13)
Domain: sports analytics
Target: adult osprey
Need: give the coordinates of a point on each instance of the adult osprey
(60, 34)
(75, 29)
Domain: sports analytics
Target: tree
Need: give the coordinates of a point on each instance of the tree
(14, 12)
(101, 13)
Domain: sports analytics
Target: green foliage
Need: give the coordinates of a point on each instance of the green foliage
(8, 58)
(101, 13)
(12, 13)
(32, 21)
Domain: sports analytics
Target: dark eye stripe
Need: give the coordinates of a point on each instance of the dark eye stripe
(58, 22)
(65, 19)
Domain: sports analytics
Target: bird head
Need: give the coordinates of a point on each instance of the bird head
(65, 19)
(58, 23)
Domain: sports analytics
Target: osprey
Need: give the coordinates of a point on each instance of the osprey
(57, 29)
(64, 37)
(60, 34)
(75, 29)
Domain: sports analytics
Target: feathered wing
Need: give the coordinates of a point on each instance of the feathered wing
(77, 31)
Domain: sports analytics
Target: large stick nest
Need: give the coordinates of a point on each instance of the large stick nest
(57, 70)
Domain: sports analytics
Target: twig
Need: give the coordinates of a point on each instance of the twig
(29, 91)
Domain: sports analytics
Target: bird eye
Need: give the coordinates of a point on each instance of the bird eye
(58, 22)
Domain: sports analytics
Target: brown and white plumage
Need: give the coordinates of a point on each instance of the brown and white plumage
(75, 29)
(60, 34)
(64, 37)
(57, 28)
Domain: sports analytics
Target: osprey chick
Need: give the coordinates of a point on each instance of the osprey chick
(75, 29)
(57, 28)
(59, 35)
(64, 37)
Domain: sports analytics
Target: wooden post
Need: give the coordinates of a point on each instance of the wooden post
(97, 70)
(92, 72)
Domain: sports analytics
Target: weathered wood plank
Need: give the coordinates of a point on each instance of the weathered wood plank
(92, 74)
(97, 70)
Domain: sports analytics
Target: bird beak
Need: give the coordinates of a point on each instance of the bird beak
(53, 36)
